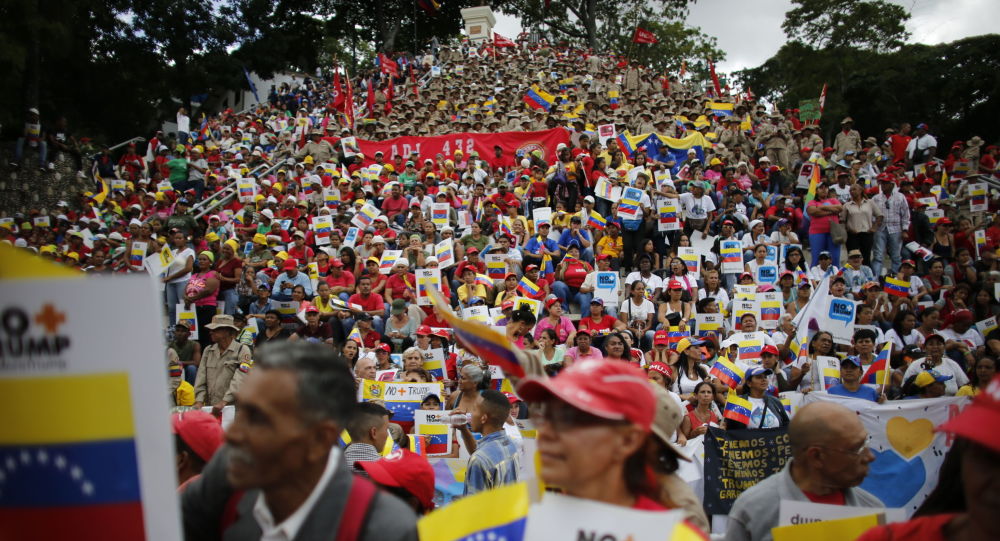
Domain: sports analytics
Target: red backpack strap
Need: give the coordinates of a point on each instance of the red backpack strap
(359, 502)
(229, 512)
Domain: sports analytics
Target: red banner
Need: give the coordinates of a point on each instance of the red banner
(511, 142)
(644, 36)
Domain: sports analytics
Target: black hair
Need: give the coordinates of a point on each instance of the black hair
(523, 315)
(812, 341)
(365, 416)
(325, 383)
(273, 311)
(861, 334)
(181, 446)
(496, 406)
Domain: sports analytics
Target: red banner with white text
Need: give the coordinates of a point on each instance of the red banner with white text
(511, 142)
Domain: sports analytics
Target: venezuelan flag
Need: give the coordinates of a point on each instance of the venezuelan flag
(613, 98)
(727, 372)
(490, 104)
(898, 288)
(831, 376)
(720, 108)
(878, 372)
(436, 438)
(750, 351)
(737, 409)
(565, 83)
(399, 398)
(691, 261)
(675, 334)
(435, 367)
(787, 404)
(536, 98)
(496, 269)
(418, 445)
(101, 195)
(770, 310)
(494, 514)
(491, 346)
(68, 444)
(528, 288)
(813, 183)
(484, 280)
(505, 226)
(137, 254)
(597, 221)
(355, 335)
(547, 268)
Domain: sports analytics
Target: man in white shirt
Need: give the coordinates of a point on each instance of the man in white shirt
(281, 468)
(922, 147)
(697, 208)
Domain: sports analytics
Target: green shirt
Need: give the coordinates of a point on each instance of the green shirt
(468, 241)
(178, 170)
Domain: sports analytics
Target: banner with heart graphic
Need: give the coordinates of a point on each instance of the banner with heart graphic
(908, 452)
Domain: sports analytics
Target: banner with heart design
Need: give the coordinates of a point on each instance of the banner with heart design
(908, 452)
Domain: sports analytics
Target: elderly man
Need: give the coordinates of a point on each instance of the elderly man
(830, 458)
(223, 366)
(320, 149)
(281, 470)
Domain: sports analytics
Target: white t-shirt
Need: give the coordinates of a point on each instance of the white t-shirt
(720, 296)
(971, 336)
(947, 367)
(183, 123)
(696, 209)
(653, 282)
(759, 409)
(900, 342)
(640, 311)
(178, 264)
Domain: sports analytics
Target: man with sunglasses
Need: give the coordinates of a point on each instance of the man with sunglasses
(830, 458)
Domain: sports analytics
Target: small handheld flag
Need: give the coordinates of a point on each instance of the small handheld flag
(737, 409)
(898, 288)
(727, 372)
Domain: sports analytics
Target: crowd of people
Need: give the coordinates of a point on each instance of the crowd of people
(892, 221)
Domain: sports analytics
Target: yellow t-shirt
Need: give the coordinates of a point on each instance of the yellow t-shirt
(184, 394)
(477, 290)
(611, 246)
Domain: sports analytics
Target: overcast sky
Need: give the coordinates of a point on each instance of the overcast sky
(750, 31)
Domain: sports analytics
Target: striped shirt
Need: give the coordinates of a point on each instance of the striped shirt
(895, 211)
(360, 452)
(494, 463)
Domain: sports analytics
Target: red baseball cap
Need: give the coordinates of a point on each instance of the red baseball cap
(336, 263)
(424, 330)
(443, 333)
(674, 284)
(551, 301)
(291, 263)
(976, 421)
(530, 268)
(472, 250)
(506, 305)
(661, 338)
(769, 349)
(663, 368)
(199, 430)
(406, 470)
(600, 257)
(610, 390)
(384, 347)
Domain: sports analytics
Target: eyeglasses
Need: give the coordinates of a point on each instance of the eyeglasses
(562, 416)
(856, 453)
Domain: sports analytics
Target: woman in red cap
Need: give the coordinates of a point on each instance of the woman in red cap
(673, 311)
(565, 331)
(593, 421)
(979, 444)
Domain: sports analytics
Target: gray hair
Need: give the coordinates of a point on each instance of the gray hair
(325, 384)
(413, 349)
(474, 372)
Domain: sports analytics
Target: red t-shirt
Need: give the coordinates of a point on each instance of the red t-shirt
(899, 143)
(833, 498)
(603, 326)
(392, 207)
(399, 285)
(372, 302)
(576, 272)
(504, 201)
(346, 279)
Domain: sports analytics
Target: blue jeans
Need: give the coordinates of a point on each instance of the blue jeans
(43, 151)
(823, 242)
(894, 242)
(566, 294)
(190, 373)
(174, 294)
(232, 300)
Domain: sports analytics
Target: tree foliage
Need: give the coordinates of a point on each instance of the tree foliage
(876, 25)
(952, 87)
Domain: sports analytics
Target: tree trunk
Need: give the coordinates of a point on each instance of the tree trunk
(591, 24)
(32, 61)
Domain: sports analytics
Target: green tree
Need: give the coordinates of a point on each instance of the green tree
(877, 25)
(951, 86)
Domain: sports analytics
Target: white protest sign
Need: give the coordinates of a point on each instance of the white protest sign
(445, 253)
(478, 313)
(188, 317)
(541, 216)
(795, 512)
(564, 518)
(95, 429)
(434, 427)
(607, 287)
(427, 279)
(351, 238)
(349, 145)
(605, 132)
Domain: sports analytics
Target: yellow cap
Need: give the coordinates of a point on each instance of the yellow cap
(259, 238)
(388, 167)
(277, 186)
(47, 249)
(212, 236)
(258, 197)
(715, 161)
(179, 148)
(74, 256)
(309, 159)
(159, 196)
(282, 255)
